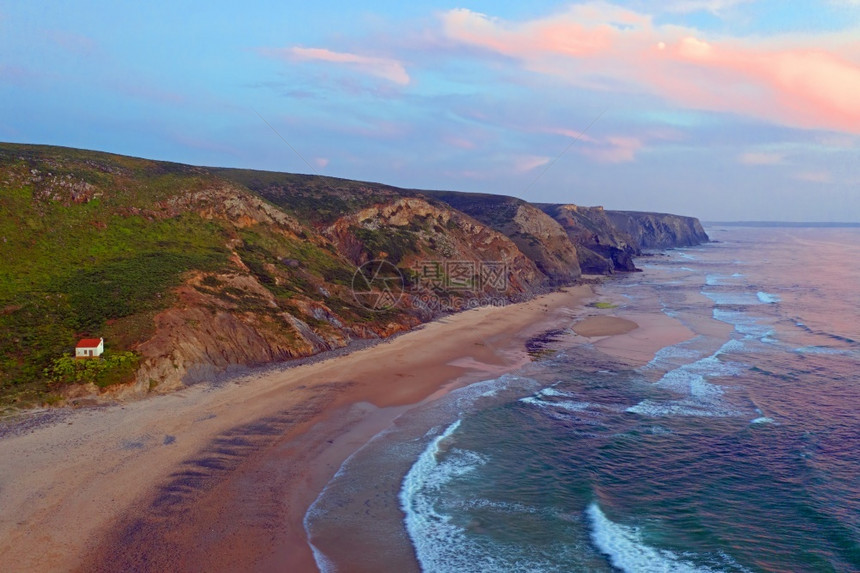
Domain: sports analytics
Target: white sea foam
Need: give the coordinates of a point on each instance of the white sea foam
(561, 404)
(714, 279)
(689, 408)
(821, 350)
(626, 551)
(767, 298)
(458, 401)
(441, 545)
(671, 356)
(744, 324)
(732, 298)
(554, 392)
(762, 420)
(698, 396)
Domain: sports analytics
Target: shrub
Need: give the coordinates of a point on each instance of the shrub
(108, 369)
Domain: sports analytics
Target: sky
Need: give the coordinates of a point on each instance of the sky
(720, 109)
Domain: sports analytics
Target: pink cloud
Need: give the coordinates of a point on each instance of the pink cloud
(82, 45)
(322, 162)
(836, 141)
(572, 133)
(761, 158)
(584, 30)
(615, 149)
(712, 6)
(802, 87)
(17, 74)
(814, 176)
(460, 142)
(525, 163)
(807, 81)
(385, 68)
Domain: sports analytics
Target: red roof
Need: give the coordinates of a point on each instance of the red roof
(89, 343)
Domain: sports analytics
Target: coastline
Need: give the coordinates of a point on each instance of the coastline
(67, 486)
(221, 477)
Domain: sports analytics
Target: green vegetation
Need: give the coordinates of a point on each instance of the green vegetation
(108, 369)
(92, 244)
(497, 211)
(87, 249)
(602, 305)
(123, 287)
(390, 243)
(319, 200)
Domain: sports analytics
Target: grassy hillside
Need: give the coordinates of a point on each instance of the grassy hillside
(315, 199)
(91, 244)
(235, 266)
(187, 271)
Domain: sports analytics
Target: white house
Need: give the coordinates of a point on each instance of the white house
(90, 348)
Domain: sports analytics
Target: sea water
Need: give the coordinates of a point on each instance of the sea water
(736, 450)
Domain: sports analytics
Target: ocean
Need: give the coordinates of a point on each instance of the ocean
(737, 450)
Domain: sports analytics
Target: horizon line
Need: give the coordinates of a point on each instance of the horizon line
(776, 223)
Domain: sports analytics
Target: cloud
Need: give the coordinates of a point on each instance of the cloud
(615, 149)
(461, 142)
(761, 158)
(525, 163)
(712, 6)
(807, 81)
(17, 74)
(385, 68)
(814, 176)
(75, 43)
(797, 86)
(582, 31)
(322, 162)
(836, 141)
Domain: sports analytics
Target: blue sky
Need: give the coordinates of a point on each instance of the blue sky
(722, 109)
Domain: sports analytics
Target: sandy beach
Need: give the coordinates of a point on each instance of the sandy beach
(219, 477)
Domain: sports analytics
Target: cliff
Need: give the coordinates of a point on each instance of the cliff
(659, 230)
(195, 271)
(602, 247)
(536, 234)
(607, 241)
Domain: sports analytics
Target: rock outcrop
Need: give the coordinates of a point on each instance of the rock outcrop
(659, 230)
(536, 234)
(602, 247)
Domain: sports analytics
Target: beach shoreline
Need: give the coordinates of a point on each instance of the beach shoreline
(220, 478)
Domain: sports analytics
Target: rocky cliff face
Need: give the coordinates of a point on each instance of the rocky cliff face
(601, 246)
(537, 235)
(236, 318)
(200, 270)
(659, 230)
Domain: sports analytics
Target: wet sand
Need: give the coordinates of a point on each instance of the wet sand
(603, 326)
(219, 478)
